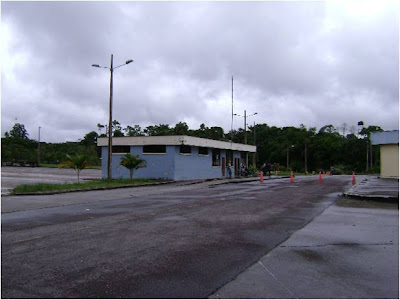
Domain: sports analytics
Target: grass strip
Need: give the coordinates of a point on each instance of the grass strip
(95, 184)
(57, 166)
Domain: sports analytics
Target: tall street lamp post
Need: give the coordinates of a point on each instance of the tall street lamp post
(245, 130)
(111, 68)
(255, 153)
(245, 124)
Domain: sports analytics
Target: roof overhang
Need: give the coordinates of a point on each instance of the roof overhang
(169, 140)
(385, 137)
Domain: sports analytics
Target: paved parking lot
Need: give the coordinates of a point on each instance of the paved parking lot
(13, 176)
(169, 241)
(235, 240)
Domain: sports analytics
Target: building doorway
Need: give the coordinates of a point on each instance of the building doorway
(237, 166)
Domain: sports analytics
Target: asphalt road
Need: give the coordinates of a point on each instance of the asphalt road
(172, 241)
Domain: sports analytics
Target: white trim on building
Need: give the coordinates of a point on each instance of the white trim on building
(174, 140)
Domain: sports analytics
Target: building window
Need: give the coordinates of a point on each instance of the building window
(216, 157)
(203, 151)
(154, 149)
(121, 149)
(185, 149)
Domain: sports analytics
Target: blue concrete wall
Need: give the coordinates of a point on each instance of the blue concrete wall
(195, 166)
(158, 165)
(171, 165)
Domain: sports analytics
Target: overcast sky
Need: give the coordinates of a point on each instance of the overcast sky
(313, 63)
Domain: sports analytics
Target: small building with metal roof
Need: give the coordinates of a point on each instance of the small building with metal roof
(389, 150)
(176, 157)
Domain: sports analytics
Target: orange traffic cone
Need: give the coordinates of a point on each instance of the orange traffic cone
(353, 180)
(320, 178)
(261, 176)
(291, 177)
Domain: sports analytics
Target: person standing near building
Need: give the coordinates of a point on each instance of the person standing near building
(268, 169)
(229, 167)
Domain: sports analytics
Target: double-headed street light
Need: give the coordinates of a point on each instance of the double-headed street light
(245, 124)
(111, 68)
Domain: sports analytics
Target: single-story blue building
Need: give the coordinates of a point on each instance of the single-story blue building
(175, 157)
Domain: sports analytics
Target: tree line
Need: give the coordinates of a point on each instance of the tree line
(18, 149)
(300, 149)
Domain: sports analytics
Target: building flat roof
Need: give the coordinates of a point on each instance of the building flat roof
(385, 137)
(174, 140)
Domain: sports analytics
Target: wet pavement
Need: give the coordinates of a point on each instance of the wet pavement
(373, 187)
(350, 251)
(343, 253)
(170, 241)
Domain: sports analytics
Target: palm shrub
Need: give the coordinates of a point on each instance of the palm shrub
(132, 162)
(76, 162)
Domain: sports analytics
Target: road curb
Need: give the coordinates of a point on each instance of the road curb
(89, 189)
(214, 181)
(382, 198)
(352, 194)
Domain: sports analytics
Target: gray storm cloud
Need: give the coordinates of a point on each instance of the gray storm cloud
(293, 62)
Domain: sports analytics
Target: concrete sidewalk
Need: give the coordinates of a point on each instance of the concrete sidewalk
(350, 251)
(375, 188)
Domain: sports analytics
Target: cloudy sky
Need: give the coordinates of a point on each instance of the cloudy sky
(313, 63)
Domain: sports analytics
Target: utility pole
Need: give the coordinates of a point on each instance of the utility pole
(111, 68)
(109, 163)
(245, 128)
(367, 154)
(38, 159)
(370, 152)
(232, 113)
(245, 124)
(255, 153)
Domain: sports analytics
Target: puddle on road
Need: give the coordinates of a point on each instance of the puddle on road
(310, 255)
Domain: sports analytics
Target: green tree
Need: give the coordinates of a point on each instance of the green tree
(100, 127)
(372, 128)
(76, 162)
(132, 162)
(90, 139)
(181, 128)
(216, 133)
(328, 129)
(201, 132)
(162, 129)
(136, 130)
(117, 129)
(18, 131)
(17, 150)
